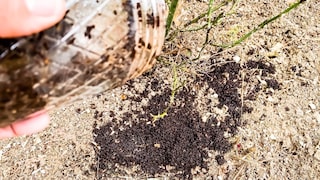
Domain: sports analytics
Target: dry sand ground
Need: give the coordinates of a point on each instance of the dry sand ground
(267, 88)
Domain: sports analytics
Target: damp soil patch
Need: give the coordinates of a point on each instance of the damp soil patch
(180, 141)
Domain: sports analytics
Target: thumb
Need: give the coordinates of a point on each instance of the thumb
(25, 17)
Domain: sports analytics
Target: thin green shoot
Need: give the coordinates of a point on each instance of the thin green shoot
(172, 11)
(261, 26)
(176, 85)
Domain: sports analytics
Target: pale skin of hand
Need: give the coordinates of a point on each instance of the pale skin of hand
(20, 18)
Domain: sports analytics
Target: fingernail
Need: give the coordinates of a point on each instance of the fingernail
(45, 8)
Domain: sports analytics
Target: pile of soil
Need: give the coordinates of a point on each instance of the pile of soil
(180, 141)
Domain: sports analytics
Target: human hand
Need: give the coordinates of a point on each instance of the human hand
(31, 124)
(25, 17)
(21, 18)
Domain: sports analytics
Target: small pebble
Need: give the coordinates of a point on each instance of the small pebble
(317, 116)
(317, 155)
(299, 112)
(236, 59)
(312, 106)
(273, 137)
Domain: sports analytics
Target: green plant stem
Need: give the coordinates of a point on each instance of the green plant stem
(209, 14)
(195, 20)
(172, 10)
(175, 87)
(262, 25)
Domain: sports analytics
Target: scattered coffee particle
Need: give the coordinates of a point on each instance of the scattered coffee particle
(88, 31)
(182, 138)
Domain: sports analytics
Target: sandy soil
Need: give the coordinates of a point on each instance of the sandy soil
(246, 112)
